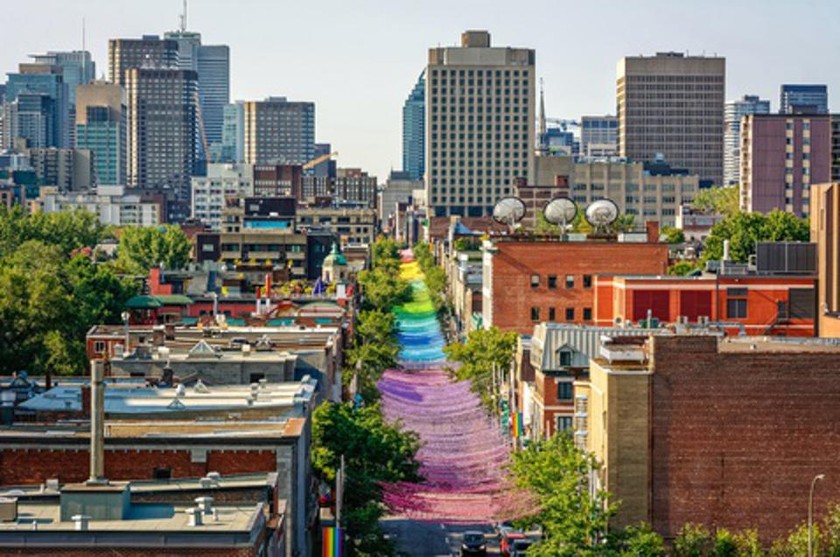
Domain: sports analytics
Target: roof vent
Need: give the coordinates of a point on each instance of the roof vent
(205, 504)
(82, 522)
(215, 476)
(200, 387)
(181, 390)
(195, 516)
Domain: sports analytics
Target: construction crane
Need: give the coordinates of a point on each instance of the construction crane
(318, 160)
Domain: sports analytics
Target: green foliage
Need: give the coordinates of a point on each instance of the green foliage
(68, 230)
(383, 289)
(374, 452)
(748, 544)
(386, 255)
(694, 540)
(47, 305)
(483, 350)
(144, 247)
(545, 228)
(683, 268)
(673, 235)
(435, 275)
(725, 544)
(556, 474)
(743, 230)
(637, 541)
(722, 201)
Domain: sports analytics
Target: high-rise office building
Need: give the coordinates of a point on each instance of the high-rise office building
(101, 128)
(212, 62)
(414, 130)
(46, 81)
(782, 155)
(733, 112)
(672, 105)
(161, 127)
(327, 168)
(599, 136)
(233, 129)
(277, 131)
(480, 120)
(30, 118)
(147, 52)
(803, 99)
(77, 68)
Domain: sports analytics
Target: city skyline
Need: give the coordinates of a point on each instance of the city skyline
(388, 45)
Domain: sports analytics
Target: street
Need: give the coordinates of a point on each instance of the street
(424, 539)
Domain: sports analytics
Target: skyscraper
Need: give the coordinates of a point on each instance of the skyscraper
(233, 129)
(672, 104)
(278, 131)
(101, 128)
(148, 52)
(77, 68)
(212, 62)
(480, 119)
(803, 99)
(734, 111)
(161, 127)
(46, 81)
(414, 130)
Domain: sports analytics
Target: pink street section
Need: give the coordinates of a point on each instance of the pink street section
(464, 454)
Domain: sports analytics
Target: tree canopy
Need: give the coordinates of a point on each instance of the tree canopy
(723, 201)
(481, 352)
(144, 247)
(744, 230)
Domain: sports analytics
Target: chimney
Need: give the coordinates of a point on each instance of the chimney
(726, 250)
(97, 424)
(195, 515)
(82, 521)
(204, 504)
(652, 228)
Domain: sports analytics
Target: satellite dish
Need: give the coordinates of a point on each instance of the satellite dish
(601, 214)
(560, 210)
(509, 210)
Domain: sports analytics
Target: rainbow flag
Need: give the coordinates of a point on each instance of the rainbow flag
(518, 425)
(333, 542)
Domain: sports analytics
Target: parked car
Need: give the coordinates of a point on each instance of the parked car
(474, 543)
(520, 547)
(503, 528)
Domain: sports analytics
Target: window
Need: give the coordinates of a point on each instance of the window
(565, 358)
(570, 314)
(535, 281)
(587, 281)
(162, 473)
(564, 390)
(551, 314)
(552, 281)
(535, 314)
(99, 347)
(587, 314)
(736, 308)
(564, 423)
(570, 281)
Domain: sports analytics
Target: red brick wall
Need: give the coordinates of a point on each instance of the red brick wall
(22, 466)
(737, 438)
(515, 262)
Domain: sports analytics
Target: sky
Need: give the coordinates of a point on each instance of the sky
(359, 59)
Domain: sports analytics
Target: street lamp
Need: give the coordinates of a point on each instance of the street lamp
(811, 514)
(126, 316)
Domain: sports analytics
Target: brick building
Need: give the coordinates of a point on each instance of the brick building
(725, 432)
(527, 280)
(748, 304)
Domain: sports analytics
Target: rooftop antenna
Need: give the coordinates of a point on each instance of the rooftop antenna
(541, 139)
(83, 35)
(601, 214)
(183, 18)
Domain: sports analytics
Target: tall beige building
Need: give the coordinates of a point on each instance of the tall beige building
(672, 104)
(480, 118)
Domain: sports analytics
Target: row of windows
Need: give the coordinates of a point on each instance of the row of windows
(552, 314)
(479, 73)
(552, 281)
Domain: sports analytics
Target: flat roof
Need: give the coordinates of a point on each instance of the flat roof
(143, 517)
(765, 344)
(139, 400)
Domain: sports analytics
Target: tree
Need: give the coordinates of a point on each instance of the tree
(637, 541)
(67, 230)
(556, 474)
(374, 452)
(383, 289)
(723, 201)
(386, 254)
(144, 247)
(682, 268)
(482, 352)
(744, 230)
(673, 235)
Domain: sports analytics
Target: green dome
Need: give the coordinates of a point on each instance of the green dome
(335, 257)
